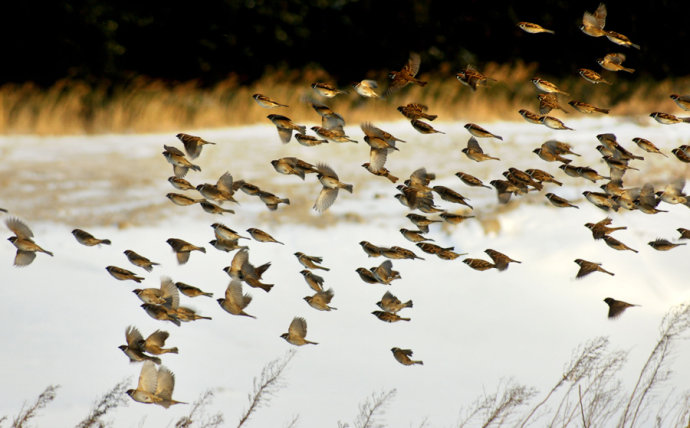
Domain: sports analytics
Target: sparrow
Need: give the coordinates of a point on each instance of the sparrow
(123, 274)
(297, 332)
(554, 123)
(530, 117)
(501, 261)
(480, 132)
(392, 304)
(188, 314)
(504, 190)
(396, 252)
(212, 208)
(389, 317)
(588, 267)
(620, 39)
(548, 102)
(542, 176)
(601, 200)
(546, 86)
(157, 296)
(135, 347)
(190, 290)
(155, 386)
(616, 244)
(379, 156)
(367, 88)
(614, 62)
(647, 146)
(421, 222)
(371, 249)
(593, 24)
(616, 307)
(285, 126)
(332, 119)
(524, 178)
(235, 302)
(240, 268)
(310, 262)
(223, 232)
(451, 195)
(533, 28)
(681, 154)
(472, 78)
(308, 141)
(85, 238)
(416, 111)
(161, 313)
(454, 218)
(155, 342)
(449, 255)
(320, 300)
(314, 281)
(400, 79)
(475, 152)
(414, 235)
(588, 173)
(180, 163)
(684, 233)
(226, 245)
(182, 200)
(424, 128)
(647, 201)
(403, 356)
(26, 247)
(366, 275)
(552, 150)
(182, 249)
(668, 119)
(293, 166)
(374, 132)
(337, 135)
(478, 264)
(192, 144)
(384, 273)
(331, 184)
(557, 201)
(682, 101)
(248, 188)
(673, 192)
(270, 200)
(326, 90)
(618, 164)
(261, 236)
(570, 170)
(443, 253)
(180, 183)
(267, 102)
(139, 260)
(585, 108)
(592, 76)
(220, 192)
(470, 180)
(660, 244)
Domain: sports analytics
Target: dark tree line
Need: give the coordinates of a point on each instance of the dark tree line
(97, 39)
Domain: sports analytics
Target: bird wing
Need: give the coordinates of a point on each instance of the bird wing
(377, 158)
(298, 327)
(284, 134)
(412, 66)
(19, 228)
(225, 182)
(473, 145)
(240, 259)
(24, 258)
(332, 120)
(233, 293)
(182, 257)
(134, 337)
(165, 384)
(600, 15)
(326, 170)
(170, 293)
(157, 338)
(325, 199)
(647, 197)
(615, 58)
(148, 377)
(173, 150)
(387, 299)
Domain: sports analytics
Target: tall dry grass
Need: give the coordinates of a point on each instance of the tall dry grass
(147, 105)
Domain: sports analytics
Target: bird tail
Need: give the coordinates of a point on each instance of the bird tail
(302, 129)
(286, 201)
(155, 360)
(202, 249)
(407, 304)
(601, 110)
(300, 173)
(51, 254)
(429, 116)
(196, 167)
(138, 279)
(629, 70)
(420, 82)
(207, 294)
(310, 342)
(261, 269)
(322, 268)
(149, 268)
(172, 350)
(685, 119)
(105, 241)
(565, 160)
(405, 319)
(392, 178)
(266, 287)
(348, 187)
(421, 363)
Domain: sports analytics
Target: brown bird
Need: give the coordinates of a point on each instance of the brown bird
(123, 274)
(684, 233)
(414, 235)
(180, 183)
(161, 313)
(616, 307)
(548, 102)
(389, 317)
(601, 200)
(294, 166)
(155, 386)
(85, 238)
(546, 86)
(593, 24)
(326, 90)
(314, 281)
(310, 262)
(620, 39)
(660, 244)
(588, 173)
(454, 218)
(261, 236)
(592, 76)
(367, 88)
(267, 102)
(235, 302)
(559, 202)
(297, 332)
(616, 244)
(504, 190)
(220, 192)
(475, 152)
(226, 245)
(158, 296)
(501, 261)
(424, 128)
(542, 176)
(366, 275)
(190, 290)
(134, 349)
(180, 163)
(223, 232)
(400, 79)
(308, 140)
(192, 144)
(470, 180)
(182, 249)
(392, 304)
(647, 146)
(26, 247)
(682, 101)
(478, 264)
(668, 119)
(384, 273)
(682, 154)
(285, 126)
(155, 342)
(270, 200)
(533, 28)
(421, 221)
(381, 171)
(182, 200)
(601, 229)
(331, 184)
(396, 252)
(585, 108)
(554, 123)
(320, 300)
(403, 356)
(451, 195)
(371, 249)
(530, 117)
(139, 260)
(614, 62)
(480, 132)
(240, 268)
(472, 78)
(416, 111)
(588, 267)
(337, 135)
(212, 208)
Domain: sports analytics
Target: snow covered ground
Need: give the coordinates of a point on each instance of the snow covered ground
(63, 317)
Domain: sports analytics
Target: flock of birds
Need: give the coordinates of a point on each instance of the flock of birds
(156, 384)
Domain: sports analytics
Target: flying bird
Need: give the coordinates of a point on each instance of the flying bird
(26, 247)
(155, 386)
(297, 332)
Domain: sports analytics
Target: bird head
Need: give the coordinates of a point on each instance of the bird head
(284, 335)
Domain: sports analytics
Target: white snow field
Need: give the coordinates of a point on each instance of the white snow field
(63, 317)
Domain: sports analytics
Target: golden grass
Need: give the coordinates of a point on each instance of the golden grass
(146, 105)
